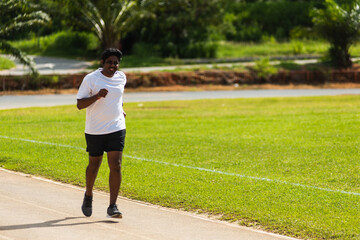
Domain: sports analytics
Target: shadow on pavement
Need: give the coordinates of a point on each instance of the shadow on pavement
(54, 223)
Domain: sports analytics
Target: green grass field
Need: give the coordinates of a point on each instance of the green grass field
(266, 49)
(84, 45)
(6, 63)
(233, 49)
(286, 165)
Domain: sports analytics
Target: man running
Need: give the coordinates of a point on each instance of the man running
(101, 93)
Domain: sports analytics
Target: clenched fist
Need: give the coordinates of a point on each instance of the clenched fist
(102, 93)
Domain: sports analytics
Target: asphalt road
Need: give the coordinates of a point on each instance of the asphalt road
(51, 65)
(48, 65)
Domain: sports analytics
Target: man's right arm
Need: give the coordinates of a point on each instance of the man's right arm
(85, 102)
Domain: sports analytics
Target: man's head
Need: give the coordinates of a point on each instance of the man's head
(110, 60)
(111, 52)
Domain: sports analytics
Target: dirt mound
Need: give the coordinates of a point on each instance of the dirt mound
(189, 79)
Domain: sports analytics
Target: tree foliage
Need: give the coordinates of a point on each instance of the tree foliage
(18, 16)
(339, 24)
(175, 27)
(253, 20)
(191, 28)
(182, 27)
(108, 19)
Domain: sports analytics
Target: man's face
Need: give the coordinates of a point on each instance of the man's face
(110, 66)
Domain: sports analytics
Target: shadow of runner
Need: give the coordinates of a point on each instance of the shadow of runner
(53, 223)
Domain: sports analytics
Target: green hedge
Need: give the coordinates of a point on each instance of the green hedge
(62, 44)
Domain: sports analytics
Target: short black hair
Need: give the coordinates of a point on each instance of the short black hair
(111, 52)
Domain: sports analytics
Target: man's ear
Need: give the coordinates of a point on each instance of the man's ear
(101, 63)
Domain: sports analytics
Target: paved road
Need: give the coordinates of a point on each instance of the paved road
(49, 65)
(10, 101)
(35, 208)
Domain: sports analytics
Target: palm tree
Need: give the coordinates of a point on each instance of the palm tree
(339, 24)
(18, 16)
(109, 19)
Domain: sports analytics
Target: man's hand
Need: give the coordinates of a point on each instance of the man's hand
(85, 102)
(102, 93)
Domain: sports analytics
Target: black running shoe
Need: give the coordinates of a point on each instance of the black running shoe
(87, 206)
(113, 211)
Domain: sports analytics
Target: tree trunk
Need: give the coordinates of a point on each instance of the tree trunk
(340, 56)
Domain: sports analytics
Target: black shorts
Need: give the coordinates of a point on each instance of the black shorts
(97, 144)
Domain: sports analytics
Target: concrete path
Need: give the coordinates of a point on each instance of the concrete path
(48, 66)
(36, 208)
(51, 65)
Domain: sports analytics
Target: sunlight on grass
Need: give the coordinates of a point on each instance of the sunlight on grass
(49, 46)
(6, 63)
(233, 50)
(286, 165)
(67, 44)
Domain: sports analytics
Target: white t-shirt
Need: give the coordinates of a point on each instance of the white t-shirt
(106, 114)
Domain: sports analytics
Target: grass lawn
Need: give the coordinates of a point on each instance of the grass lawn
(234, 49)
(6, 63)
(267, 49)
(50, 45)
(286, 165)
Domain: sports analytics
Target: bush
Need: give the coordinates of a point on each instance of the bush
(6, 63)
(200, 49)
(62, 44)
(297, 47)
(73, 44)
(181, 28)
(252, 19)
(263, 69)
(142, 49)
(251, 33)
(300, 32)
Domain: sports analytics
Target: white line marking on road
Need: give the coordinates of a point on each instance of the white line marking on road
(196, 168)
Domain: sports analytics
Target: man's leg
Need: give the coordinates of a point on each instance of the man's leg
(114, 161)
(91, 173)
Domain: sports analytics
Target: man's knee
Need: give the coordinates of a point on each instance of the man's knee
(94, 163)
(114, 160)
(115, 166)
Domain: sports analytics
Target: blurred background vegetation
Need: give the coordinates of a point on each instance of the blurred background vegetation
(152, 32)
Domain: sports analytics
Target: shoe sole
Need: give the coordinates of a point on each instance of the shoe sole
(115, 216)
(87, 214)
